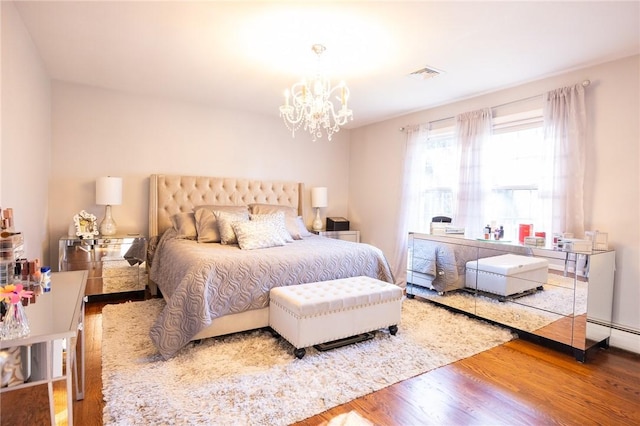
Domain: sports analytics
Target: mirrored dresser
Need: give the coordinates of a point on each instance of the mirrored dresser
(558, 298)
(116, 264)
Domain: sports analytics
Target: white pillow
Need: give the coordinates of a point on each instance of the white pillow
(302, 228)
(225, 222)
(257, 234)
(291, 222)
(278, 220)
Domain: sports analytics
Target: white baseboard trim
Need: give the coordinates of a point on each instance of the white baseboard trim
(625, 340)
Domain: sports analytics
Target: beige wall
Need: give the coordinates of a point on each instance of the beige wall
(26, 134)
(99, 132)
(613, 162)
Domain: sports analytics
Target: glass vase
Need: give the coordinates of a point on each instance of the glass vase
(15, 324)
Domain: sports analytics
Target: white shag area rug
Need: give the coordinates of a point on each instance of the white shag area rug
(528, 313)
(252, 378)
(118, 275)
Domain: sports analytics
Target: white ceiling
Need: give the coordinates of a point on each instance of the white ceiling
(242, 55)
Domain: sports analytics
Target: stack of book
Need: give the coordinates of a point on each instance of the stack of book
(447, 229)
(534, 241)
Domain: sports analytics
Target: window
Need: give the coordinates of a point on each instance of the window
(438, 178)
(513, 162)
(514, 166)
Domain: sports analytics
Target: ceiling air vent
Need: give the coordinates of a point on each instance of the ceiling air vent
(425, 73)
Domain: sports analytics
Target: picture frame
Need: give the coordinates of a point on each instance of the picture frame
(86, 225)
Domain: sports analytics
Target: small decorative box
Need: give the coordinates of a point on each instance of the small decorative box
(337, 224)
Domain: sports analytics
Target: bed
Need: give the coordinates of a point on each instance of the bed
(215, 288)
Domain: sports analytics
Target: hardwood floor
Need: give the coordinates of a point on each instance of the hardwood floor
(519, 383)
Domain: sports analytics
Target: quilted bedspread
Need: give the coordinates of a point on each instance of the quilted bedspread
(201, 282)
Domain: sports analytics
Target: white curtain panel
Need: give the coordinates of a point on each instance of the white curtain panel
(409, 215)
(565, 127)
(472, 131)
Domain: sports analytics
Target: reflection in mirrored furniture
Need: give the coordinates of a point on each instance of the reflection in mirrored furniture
(558, 298)
(116, 264)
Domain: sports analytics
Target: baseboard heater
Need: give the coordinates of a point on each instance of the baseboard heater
(344, 342)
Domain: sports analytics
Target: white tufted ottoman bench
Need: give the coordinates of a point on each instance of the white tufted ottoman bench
(315, 313)
(507, 274)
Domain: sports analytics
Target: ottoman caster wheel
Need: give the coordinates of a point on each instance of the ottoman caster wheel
(393, 329)
(410, 296)
(299, 353)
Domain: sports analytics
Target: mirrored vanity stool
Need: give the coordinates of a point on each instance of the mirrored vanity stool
(553, 297)
(116, 264)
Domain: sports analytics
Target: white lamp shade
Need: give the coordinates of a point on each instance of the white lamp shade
(319, 197)
(109, 191)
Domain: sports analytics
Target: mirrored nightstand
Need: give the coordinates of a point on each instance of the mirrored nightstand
(116, 264)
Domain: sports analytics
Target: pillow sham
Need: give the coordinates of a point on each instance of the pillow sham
(185, 225)
(301, 227)
(223, 207)
(207, 223)
(278, 221)
(258, 208)
(292, 227)
(253, 234)
(225, 222)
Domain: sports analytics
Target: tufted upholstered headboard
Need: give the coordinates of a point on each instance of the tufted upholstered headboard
(171, 194)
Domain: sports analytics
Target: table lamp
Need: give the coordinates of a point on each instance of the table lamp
(318, 200)
(108, 193)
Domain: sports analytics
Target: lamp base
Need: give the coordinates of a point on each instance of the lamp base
(108, 225)
(317, 222)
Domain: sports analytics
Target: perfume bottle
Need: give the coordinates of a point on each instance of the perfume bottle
(45, 279)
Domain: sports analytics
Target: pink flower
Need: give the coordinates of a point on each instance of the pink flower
(13, 293)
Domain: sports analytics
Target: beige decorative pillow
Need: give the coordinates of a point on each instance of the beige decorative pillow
(207, 224)
(253, 234)
(185, 225)
(225, 222)
(258, 208)
(223, 208)
(277, 219)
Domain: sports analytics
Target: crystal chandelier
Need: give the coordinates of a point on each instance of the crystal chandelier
(308, 104)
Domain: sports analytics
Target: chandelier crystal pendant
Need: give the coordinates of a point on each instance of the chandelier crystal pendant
(309, 104)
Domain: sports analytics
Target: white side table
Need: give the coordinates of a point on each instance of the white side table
(353, 236)
(56, 315)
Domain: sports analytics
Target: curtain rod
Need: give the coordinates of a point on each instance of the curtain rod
(585, 83)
